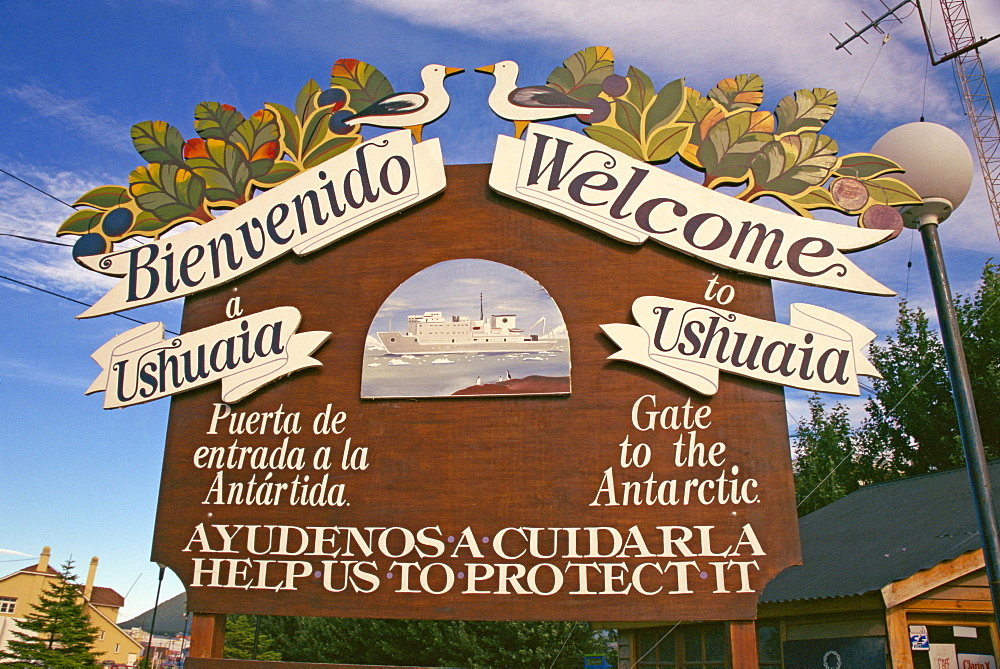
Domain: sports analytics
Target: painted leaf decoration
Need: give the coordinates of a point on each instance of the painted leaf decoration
(732, 143)
(666, 107)
(216, 121)
(104, 197)
(305, 103)
(813, 198)
(317, 133)
(222, 165)
(744, 91)
(258, 137)
(80, 222)
(805, 110)
(702, 113)
(892, 192)
(615, 138)
(582, 74)
(166, 190)
(629, 119)
(145, 222)
(865, 166)
(792, 164)
(158, 142)
(289, 126)
(640, 90)
(665, 143)
(363, 82)
(697, 107)
(334, 146)
(280, 171)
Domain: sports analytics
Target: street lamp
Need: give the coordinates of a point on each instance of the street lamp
(938, 167)
(156, 605)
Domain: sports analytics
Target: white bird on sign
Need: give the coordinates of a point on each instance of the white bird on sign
(528, 103)
(410, 110)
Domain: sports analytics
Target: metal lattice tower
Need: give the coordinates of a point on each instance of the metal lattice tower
(976, 96)
(972, 81)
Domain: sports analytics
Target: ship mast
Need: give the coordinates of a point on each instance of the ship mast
(481, 316)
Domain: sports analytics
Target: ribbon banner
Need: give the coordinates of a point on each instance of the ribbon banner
(305, 213)
(245, 353)
(574, 176)
(820, 350)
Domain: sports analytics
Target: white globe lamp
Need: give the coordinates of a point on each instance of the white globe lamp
(938, 167)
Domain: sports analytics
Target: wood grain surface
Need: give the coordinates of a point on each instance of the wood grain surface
(483, 463)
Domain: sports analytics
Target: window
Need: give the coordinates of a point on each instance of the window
(7, 604)
(687, 647)
(102, 636)
(769, 645)
(118, 648)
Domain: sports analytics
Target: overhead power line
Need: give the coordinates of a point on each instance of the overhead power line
(30, 185)
(76, 301)
(34, 239)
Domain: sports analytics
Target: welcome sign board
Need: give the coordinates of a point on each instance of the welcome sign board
(622, 499)
(501, 400)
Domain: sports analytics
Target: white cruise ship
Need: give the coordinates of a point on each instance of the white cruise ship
(432, 332)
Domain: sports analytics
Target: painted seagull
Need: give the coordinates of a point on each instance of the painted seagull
(529, 103)
(410, 110)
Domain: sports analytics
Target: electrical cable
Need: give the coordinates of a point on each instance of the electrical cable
(565, 641)
(872, 67)
(17, 178)
(34, 239)
(71, 299)
(894, 407)
(634, 664)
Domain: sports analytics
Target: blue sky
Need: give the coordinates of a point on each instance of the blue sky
(74, 77)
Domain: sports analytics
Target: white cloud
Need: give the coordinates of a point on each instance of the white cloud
(7, 551)
(27, 212)
(671, 38)
(74, 114)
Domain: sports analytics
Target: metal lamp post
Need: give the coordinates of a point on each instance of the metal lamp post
(938, 167)
(156, 605)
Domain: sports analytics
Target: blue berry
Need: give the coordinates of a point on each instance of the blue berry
(90, 244)
(615, 85)
(117, 222)
(602, 110)
(337, 125)
(332, 96)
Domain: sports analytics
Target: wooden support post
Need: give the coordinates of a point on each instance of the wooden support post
(743, 644)
(899, 637)
(208, 634)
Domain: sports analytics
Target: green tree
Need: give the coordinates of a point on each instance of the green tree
(57, 632)
(826, 466)
(436, 642)
(911, 428)
(239, 640)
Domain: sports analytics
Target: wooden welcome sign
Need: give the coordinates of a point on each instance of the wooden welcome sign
(623, 499)
(546, 388)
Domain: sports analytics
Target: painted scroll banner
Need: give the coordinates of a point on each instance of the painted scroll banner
(245, 353)
(820, 350)
(314, 209)
(576, 177)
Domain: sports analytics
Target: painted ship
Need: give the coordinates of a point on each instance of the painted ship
(432, 332)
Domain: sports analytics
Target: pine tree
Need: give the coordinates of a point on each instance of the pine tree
(58, 632)
(240, 640)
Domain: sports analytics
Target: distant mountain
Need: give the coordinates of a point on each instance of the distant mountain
(169, 617)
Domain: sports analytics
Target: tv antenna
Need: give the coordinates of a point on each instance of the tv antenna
(972, 81)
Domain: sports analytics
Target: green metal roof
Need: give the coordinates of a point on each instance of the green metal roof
(881, 534)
